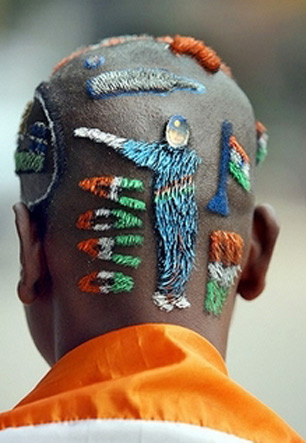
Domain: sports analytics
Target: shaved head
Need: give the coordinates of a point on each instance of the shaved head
(154, 129)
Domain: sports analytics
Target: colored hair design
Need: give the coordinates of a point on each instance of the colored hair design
(175, 208)
(104, 282)
(204, 55)
(94, 61)
(41, 148)
(139, 81)
(197, 49)
(123, 220)
(33, 158)
(262, 142)
(239, 164)
(233, 160)
(225, 257)
(103, 248)
(109, 187)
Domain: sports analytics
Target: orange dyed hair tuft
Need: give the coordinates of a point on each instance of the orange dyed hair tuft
(260, 128)
(86, 284)
(89, 246)
(85, 220)
(237, 146)
(205, 56)
(226, 247)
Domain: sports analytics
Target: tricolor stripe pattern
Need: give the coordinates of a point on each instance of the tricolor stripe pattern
(262, 142)
(122, 220)
(225, 257)
(104, 282)
(239, 164)
(103, 248)
(110, 188)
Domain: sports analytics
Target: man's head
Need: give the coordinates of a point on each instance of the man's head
(137, 165)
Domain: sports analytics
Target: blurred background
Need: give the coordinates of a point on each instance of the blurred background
(264, 43)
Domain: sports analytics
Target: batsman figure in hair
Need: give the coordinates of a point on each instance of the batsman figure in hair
(173, 165)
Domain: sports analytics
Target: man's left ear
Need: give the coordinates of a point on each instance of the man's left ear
(34, 271)
(264, 235)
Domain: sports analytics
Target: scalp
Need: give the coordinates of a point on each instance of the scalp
(141, 117)
(66, 104)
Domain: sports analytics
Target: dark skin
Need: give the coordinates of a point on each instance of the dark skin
(60, 317)
(46, 326)
(51, 330)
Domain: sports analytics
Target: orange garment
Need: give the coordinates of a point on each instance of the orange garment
(149, 372)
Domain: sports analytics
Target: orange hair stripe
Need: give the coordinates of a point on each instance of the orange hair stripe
(206, 56)
(260, 127)
(89, 246)
(226, 247)
(234, 144)
(93, 185)
(86, 283)
(84, 220)
(67, 59)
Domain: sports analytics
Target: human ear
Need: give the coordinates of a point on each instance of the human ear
(264, 234)
(32, 259)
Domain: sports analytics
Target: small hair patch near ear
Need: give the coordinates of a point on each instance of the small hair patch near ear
(94, 61)
(239, 164)
(140, 81)
(33, 158)
(110, 188)
(262, 142)
(29, 162)
(225, 258)
(123, 220)
(105, 282)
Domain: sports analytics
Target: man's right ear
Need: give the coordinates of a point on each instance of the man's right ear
(34, 271)
(264, 235)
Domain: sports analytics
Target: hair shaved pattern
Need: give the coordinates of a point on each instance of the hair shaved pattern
(171, 159)
(225, 257)
(139, 81)
(233, 160)
(174, 206)
(204, 55)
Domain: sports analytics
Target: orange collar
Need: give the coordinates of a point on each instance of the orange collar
(126, 352)
(151, 372)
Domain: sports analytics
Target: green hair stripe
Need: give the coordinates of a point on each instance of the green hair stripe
(132, 184)
(126, 219)
(215, 297)
(29, 161)
(126, 260)
(261, 154)
(122, 283)
(129, 240)
(240, 176)
(132, 203)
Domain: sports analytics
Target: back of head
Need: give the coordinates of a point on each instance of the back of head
(137, 162)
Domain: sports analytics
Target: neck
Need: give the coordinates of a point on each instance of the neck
(73, 331)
